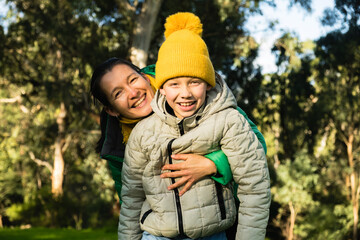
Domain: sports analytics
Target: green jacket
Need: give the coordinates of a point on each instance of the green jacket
(113, 148)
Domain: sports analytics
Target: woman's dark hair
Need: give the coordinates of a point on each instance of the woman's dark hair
(98, 74)
(103, 123)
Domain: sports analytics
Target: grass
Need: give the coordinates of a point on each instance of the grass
(57, 234)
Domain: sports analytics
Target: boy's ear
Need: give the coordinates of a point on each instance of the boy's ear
(162, 91)
(111, 112)
(208, 87)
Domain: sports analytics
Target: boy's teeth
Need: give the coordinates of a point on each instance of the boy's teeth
(186, 104)
(139, 102)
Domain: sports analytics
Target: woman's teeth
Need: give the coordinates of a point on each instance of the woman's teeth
(139, 102)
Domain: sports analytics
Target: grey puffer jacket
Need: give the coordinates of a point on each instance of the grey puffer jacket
(208, 207)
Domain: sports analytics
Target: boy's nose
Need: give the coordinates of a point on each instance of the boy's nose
(185, 93)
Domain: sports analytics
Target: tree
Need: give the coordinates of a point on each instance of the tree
(296, 181)
(338, 76)
(144, 25)
(46, 63)
(338, 86)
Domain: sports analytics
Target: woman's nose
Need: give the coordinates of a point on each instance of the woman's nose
(133, 92)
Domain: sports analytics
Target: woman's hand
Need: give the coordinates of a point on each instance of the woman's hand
(194, 168)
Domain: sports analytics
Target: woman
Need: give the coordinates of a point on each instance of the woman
(125, 92)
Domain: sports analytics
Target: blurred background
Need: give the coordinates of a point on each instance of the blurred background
(298, 81)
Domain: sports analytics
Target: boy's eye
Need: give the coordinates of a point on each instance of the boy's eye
(195, 82)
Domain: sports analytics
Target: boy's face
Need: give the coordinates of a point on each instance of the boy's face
(185, 95)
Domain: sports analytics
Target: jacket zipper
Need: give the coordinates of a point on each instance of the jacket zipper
(181, 127)
(219, 190)
(176, 191)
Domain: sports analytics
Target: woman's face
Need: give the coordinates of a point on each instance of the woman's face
(128, 92)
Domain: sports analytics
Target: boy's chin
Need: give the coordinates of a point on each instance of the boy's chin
(185, 115)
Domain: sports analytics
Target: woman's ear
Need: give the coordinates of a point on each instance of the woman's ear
(111, 112)
(208, 87)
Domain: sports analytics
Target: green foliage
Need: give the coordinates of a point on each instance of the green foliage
(46, 61)
(314, 110)
(296, 181)
(68, 210)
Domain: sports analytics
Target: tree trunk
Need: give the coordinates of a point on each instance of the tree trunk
(142, 32)
(58, 168)
(277, 147)
(354, 185)
(292, 221)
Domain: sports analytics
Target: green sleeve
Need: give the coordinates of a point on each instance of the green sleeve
(223, 175)
(255, 129)
(115, 168)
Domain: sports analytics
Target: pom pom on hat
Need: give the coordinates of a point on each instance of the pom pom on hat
(183, 53)
(183, 20)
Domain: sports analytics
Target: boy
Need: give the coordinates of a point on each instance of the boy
(194, 112)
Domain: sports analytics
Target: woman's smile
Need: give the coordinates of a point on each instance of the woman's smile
(138, 104)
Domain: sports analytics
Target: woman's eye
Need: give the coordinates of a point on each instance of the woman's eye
(133, 80)
(117, 94)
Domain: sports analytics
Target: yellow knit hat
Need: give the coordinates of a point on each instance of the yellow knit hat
(183, 53)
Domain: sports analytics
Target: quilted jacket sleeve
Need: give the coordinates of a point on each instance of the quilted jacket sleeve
(250, 171)
(132, 193)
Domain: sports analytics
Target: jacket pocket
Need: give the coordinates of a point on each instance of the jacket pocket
(220, 197)
(145, 216)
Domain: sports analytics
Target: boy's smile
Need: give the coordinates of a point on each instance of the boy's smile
(185, 95)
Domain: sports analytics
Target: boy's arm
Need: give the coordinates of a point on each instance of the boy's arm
(249, 167)
(132, 193)
(224, 174)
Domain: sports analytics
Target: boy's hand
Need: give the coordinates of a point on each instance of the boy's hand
(194, 168)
